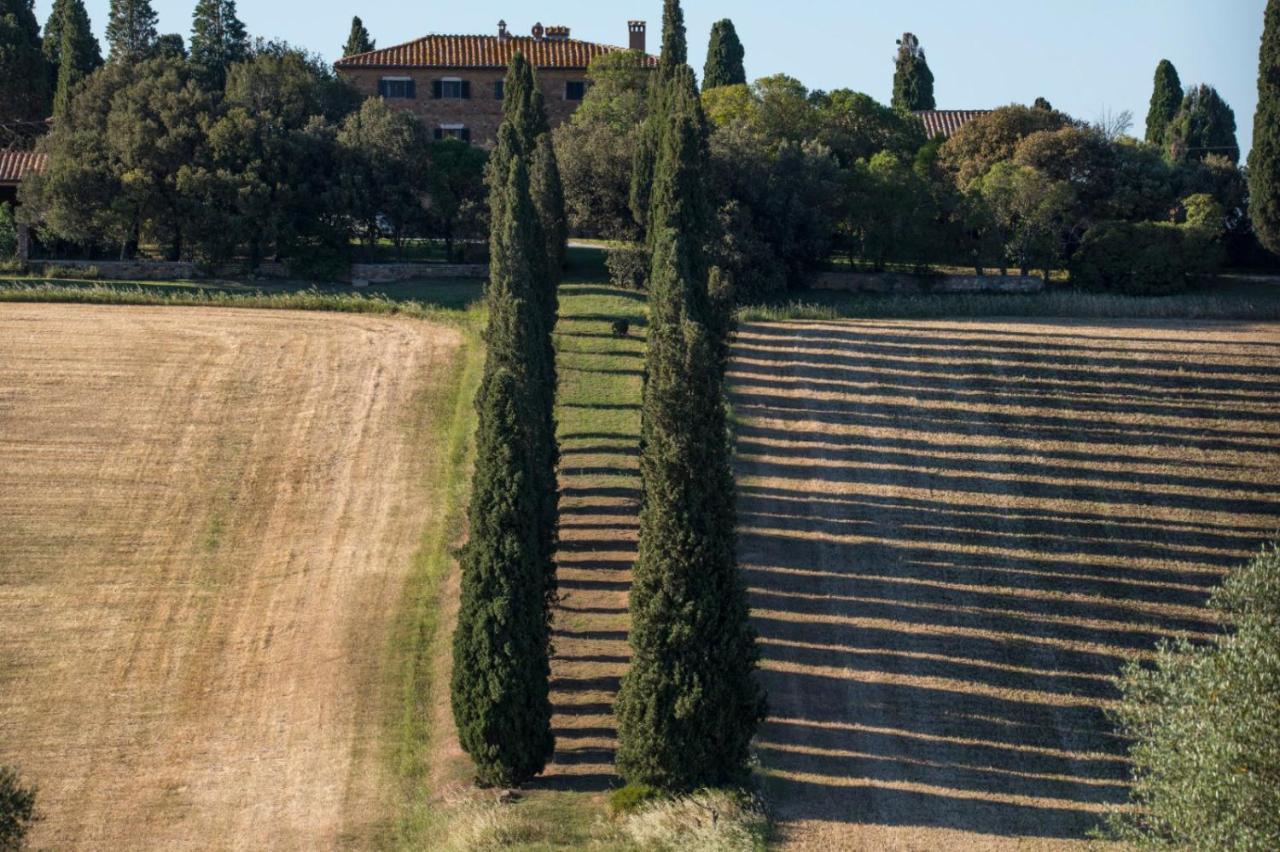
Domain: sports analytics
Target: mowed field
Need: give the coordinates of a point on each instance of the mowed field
(956, 533)
(209, 519)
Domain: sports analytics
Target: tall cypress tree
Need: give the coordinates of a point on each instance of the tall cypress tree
(1204, 125)
(78, 56)
(675, 52)
(912, 79)
(500, 689)
(24, 72)
(690, 704)
(675, 42)
(218, 41)
(724, 57)
(1264, 161)
(1166, 98)
(358, 41)
(131, 30)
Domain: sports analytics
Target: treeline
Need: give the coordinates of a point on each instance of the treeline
(800, 176)
(236, 151)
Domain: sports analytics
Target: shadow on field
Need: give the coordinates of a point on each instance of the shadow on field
(955, 538)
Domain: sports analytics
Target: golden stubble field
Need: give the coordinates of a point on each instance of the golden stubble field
(209, 516)
(955, 533)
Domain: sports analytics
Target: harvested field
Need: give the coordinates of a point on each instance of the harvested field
(955, 533)
(210, 517)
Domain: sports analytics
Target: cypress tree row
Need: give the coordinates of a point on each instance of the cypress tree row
(78, 56)
(359, 40)
(218, 41)
(724, 58)
(1166, 99)
(131, 30)
(912, 79)
(500, 689)
(690, 704)
(1264, 161)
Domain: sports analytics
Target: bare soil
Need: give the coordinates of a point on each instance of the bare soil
(209, 517)
(955, 534)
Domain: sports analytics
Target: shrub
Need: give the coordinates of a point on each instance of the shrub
(628, 267)
(1143, 259)
(631, 798)
(708, 821)
(1206, 752)
(17, 809)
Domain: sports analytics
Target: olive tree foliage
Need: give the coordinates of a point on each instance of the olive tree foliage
(1206, 747)
(17, 810)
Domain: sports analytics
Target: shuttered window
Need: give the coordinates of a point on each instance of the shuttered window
(575, 90)
(499, 90)
(451, 90)
(397, 87)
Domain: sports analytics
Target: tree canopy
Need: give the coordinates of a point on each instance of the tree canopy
(358, 41)
(131, 30)
(912, 79)
(1204, 125)
(1166, 99)
(724, 57)
(218, 41)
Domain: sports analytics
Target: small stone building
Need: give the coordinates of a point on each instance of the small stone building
(454, 82)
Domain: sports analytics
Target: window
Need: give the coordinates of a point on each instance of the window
(499, 90)
(451, 88)
(453, 131)
(575, 90)
(397, 87)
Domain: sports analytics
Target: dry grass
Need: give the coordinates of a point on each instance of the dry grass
(956, 532)
(210, 518)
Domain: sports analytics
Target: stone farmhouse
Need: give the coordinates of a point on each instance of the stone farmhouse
(454, 82)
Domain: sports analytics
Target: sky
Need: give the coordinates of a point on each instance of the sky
(1085, 56)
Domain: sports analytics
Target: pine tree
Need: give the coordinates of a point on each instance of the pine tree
(218, 41)
(1204, 125)
(1264, 161)
(78, 56)
(358, 41)
(500, 689)
(690, 704)
(131, 30)
(1166, 98)
(724, 58)
(912, 79)
(24, 72)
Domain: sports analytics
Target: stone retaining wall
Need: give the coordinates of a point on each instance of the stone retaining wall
(867, 282)
(163, 270)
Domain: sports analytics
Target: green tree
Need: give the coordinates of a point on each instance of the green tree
(62, 11)
(690, 704)
(1264, 160)
(17, 810)
(500, 689)
(358, 41)
(724, 58)
(131, 30)
(218, 41)
(455, 186)
(8, 232)
(912, 79)
(170, 46)
(1166, 98)
(1206, 753)
(975, 148)
(1204, 125)
(1031, 212)
(384, 171)
(675, 42)
(675, 53)
(24, 72)
(855, 127)
(78, 55)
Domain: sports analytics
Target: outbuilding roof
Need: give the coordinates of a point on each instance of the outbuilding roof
(15, 165)
(946, 122)
(474, 51)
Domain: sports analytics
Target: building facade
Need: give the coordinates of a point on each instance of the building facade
(455, 83)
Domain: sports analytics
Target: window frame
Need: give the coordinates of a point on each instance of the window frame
(584, 87)
(409, 91)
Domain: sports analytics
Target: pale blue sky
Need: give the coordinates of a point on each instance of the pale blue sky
(1083, 55)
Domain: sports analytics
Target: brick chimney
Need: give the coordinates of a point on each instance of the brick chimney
(637, 31)
(557, 33)
(503, 34)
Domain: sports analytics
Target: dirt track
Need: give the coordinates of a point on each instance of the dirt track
(209, 517)
(956, 533)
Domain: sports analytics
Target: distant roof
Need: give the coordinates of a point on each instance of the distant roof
(474, 51)
(945, 122)
(15, 165)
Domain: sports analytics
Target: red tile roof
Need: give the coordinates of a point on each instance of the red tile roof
(945, 122)
(446, 51)
(15, 165)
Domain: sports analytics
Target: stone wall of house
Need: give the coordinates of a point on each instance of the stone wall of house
(866, 282)
(482, 112)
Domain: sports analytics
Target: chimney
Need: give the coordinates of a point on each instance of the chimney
(503, 35)
(557, 33)
(637, 31)
(538, 32)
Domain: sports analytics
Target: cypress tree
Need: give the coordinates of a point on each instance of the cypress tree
(131, 30)
(1264, 161)
(500, 689)
(1166, 98)
(78, 56)
(1204, 125)
(690, 704)
(24, 73)
(675, 52)
(724, 58)
(358, 41)
(218, 41)
(912, 79)
(675, 42)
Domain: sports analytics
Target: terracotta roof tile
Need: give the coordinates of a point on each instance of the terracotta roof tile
(945, 122)
(15, 165)
(448, 51)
